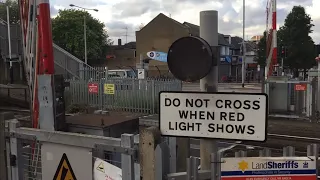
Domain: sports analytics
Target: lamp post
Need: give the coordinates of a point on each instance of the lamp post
(85, 30)
(9, 42)
(243, 44)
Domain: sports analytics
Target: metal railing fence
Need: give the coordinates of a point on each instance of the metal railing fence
(132, 95)
(164, 160)
(33, 153)
(290, 98)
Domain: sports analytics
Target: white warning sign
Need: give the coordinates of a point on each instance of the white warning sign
(238, 116)
(105, 171)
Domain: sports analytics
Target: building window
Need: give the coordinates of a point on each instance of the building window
(222, 50)
(227, 51)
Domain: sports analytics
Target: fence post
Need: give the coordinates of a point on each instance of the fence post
(195, 165)
(219, 158)
(13, 124)
(237, 154)
(189, 169)
(149, 138)
(153, 100)
(243, 153)
(3, 169)
(173, 154)
(100, 95)
(291, 151)
(313, 150)
(127, 161)
(266, 152)
(162, 160)
(285, 152)
(214, 160)
(288, 151)
(183, 152)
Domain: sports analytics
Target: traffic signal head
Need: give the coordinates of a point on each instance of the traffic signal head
(190, 58)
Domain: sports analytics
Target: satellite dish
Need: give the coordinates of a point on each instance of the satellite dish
(190, 58)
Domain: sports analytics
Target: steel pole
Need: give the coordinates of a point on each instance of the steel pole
(243, 43)
(209, 32)
(85, 39)
(318, 94)
(9, 44)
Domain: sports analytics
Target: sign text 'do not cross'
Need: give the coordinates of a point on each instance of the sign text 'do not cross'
(190, 58)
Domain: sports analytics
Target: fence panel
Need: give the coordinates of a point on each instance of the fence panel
(29, 158)
(35, 153)
(131, 95)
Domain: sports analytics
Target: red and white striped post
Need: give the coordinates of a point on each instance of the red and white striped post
(45, 66)
(271, 36)
(274, 32)
(46, 62)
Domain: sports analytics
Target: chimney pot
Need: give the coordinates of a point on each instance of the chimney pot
(119, 42)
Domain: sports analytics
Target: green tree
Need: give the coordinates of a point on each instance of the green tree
(261, 52)
(14, 14)
(68, 33)
(262, 47)
(295, 36)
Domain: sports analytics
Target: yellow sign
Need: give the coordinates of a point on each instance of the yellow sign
(108, 88)
(101, 167)
(64, 170)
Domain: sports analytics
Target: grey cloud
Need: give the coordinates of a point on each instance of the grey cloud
(295, 2)
(118, 29)
(316, 31)
(174, 6)
(134, 8)
(192, 1)
(82, 3)
(254, 16)
(230, 27)
(53, 11)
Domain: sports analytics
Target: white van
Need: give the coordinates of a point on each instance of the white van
(122, 73)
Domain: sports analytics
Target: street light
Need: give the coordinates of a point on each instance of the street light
(85, 30)
(9, 42)
(243, 44)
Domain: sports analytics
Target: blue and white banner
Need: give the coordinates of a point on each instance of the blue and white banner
(156, 55)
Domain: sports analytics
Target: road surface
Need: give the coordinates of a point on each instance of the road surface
(251, 88)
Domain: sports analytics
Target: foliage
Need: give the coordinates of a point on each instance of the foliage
(13, 11)
(77, 108)
(68, 33)
(294, 35)
(261, 53)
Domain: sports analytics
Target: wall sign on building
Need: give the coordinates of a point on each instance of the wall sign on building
(269, 168)
(157, 55)
(239, 116)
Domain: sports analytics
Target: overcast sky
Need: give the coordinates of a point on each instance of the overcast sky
(121, 14)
